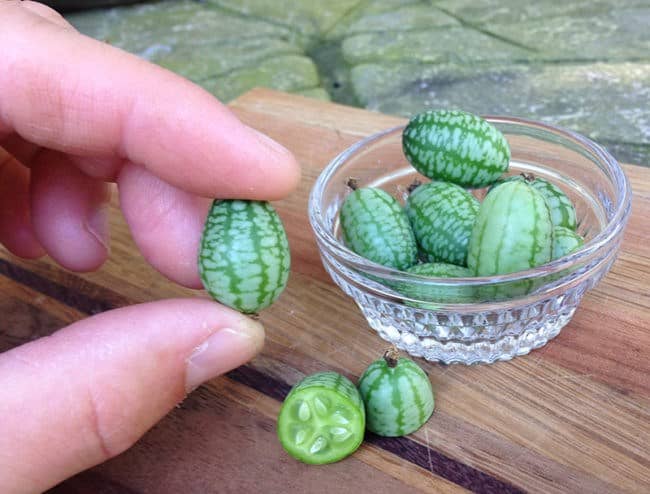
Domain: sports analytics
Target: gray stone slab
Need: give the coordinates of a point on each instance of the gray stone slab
(603, 101)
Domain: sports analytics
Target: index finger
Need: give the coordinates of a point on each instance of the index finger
(65, 91)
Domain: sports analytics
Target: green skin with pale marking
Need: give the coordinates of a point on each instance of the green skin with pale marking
(456, 146)
(565, 241)
(563, 212)
(375, 226)
(322, 419)
(440, 294)
(244, 258)
(513, 232)
(442, 216)
(399, 400)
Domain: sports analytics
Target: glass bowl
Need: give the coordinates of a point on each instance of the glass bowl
(503, 316)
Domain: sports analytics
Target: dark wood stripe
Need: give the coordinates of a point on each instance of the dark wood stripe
(437, 463)
(100, 300)
(91, 481)
(468, 477)
(407, 449)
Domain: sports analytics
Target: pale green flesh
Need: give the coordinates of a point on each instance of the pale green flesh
(442, 216)
(375, 226)
(513, 231)
(244, 258)
(398, 400)
(322, 420)
(457, 147)
(565, 241)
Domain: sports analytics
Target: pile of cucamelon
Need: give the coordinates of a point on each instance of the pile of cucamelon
(443, 230)
(324, 417)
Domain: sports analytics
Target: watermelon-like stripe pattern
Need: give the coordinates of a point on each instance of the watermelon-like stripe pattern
(375, 226)
(322, 419)
(398, 399)
(513, 231)
(563, 212)
(244, 258)
(440, 294)
(442, 216)
(565, 241)
(455, 146)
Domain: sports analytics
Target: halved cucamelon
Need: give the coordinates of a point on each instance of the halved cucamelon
(322, 419)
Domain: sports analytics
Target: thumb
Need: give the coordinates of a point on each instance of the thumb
(85, 394)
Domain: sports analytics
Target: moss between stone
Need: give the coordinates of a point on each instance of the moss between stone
(582, 64)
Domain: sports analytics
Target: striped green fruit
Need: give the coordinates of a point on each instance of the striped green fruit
(375, 226)
(442, 216)
(322, 419)
(565, 241)
(513, 232)
(244, 257)
(397, 394)
(439, 294)
(563, 212)
(455, 146)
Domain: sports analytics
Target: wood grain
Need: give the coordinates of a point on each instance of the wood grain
(570, 417)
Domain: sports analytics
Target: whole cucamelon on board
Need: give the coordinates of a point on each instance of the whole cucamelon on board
(244, 256)
(442, 216)
(455, 146)
(397, 394)
(375, 226)
(322, 419)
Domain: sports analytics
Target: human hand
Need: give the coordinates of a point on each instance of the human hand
(78, 114)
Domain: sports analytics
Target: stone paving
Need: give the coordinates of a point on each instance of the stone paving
(582, 64)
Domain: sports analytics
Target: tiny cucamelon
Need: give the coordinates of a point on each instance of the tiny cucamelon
(375, 226)
(397, 394)
(442, 216)
(565, 241)
(244, 256)
(455, 146)
(513, 231)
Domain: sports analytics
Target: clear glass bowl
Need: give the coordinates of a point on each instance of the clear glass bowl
(500, 320)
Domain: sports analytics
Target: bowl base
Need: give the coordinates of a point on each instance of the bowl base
(469, 352)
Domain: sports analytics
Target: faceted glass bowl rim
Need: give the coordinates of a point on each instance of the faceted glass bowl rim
(613, 229)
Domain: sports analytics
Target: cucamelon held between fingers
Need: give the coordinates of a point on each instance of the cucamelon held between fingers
(244, 256)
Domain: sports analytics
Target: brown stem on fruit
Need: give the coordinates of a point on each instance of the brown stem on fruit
(255, 316)
(528, 177)
(353, 183)
(416, 183)
(391, 356)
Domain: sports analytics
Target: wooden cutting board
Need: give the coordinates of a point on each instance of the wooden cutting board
(571, 417)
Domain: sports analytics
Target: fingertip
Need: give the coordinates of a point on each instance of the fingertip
(166, 223)
(69, 213)
(284, 174)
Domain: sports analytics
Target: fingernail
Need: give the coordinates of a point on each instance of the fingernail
(223, 351)
(97, 224)
(269, 143)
